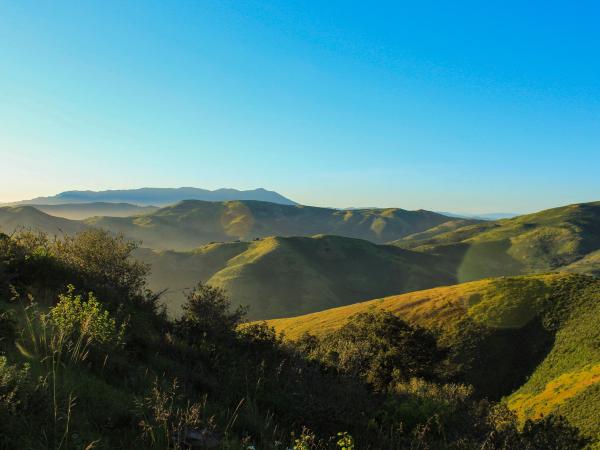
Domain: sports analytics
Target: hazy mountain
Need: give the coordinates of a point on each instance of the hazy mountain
(532, 339)
(159, 196)
(279, 276)
(80, 211)
(189, 224)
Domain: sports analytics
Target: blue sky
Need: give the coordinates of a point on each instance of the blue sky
(452, 106)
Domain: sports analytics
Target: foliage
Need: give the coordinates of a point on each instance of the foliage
(345, 441)
(164, 420)
(206, 314)
(74, 317)
(377, 383)
(381, 348)
(102, 260)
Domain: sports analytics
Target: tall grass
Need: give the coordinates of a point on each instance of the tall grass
(53, 349)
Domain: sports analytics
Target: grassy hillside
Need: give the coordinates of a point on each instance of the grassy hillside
(18, 217)
(285, 276)
(533, 338)
(192, 223)
(549, 240)
(81, 211)
(89, 360)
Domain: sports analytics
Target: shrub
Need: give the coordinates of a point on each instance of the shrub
(74, 318)
(12, 385)
(207, 313)
(381, 348)
(102, 261)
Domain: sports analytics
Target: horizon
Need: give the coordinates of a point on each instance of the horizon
(348, 207)
(470, 109)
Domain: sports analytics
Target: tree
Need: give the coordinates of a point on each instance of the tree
(207, 313)
(382, 348)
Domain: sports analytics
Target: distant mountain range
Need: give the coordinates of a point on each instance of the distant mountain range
(158, 196)
(258, 255)
(191, 223)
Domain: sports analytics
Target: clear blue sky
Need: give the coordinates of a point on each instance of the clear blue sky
(452, 106)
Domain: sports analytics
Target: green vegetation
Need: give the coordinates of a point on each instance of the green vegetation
(189, 224)
(285, 276)
(530, 339)
(109, 370)
(564, 238)
(279, 277)
(14, 218)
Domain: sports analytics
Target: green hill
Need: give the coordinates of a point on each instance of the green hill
(18, 217)
(88, 359)
(554, 239)
(189, 224)
(532, 339)
(279, 276)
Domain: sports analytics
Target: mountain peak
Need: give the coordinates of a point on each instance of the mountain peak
(147, 196)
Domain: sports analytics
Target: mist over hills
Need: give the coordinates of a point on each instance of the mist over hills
(82, 211)
(158, 196)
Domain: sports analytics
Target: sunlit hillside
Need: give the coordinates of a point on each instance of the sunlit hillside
(529, 338)
(189, 224)
(279, 276)
(548, 240)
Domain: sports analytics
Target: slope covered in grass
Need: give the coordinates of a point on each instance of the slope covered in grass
(533, 339)
(19, 217)
(548, 240)
(89, 360)
(567, 382)
(285, 276)
(189, 224)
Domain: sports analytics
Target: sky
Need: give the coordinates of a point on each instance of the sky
(449, 106)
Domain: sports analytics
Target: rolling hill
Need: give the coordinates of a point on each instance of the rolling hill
(159, 196)
(189, 224)
(18, 217)
(530, 339)
(554, 239)
(280, 276)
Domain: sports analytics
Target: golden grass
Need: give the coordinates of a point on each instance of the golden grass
(433, 308)
(556, 392)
